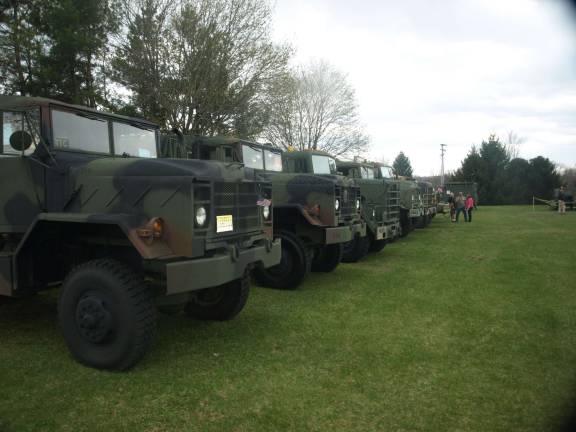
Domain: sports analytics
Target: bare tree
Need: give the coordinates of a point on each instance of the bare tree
(202, 66)
(512, 144)
(315, 108)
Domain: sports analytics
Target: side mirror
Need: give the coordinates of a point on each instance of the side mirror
(20, 140)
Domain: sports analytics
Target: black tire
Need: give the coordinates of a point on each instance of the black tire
(420, 222)
(221, 303)
(107, 315)
(377, 245)
(294, 265)
(405, 224)
(328, 258)
(356, 249)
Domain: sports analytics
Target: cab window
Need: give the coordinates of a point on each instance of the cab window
(272, 161)
(207, 152)
(134, 141)
(74, 131)
(367, 173)
(386, 172)
(28, 121)
(323, 164)
(252, 157)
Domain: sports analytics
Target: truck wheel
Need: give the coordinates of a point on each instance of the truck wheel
(356, 249)
(221, 303)
(328, 258)
(377, 245)
(294, 265)
(420, 222)
(106, 314)
(405, 224)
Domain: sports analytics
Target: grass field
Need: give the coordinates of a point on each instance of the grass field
(458, 327)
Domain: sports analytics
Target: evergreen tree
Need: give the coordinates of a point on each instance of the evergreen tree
(504, 181)
(543, 178)
(494, 161)
(516, 187)
(471, 167)
(57, 48)
(402, 165)
(20, 46)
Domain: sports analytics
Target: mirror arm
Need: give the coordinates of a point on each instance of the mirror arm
(43, 142)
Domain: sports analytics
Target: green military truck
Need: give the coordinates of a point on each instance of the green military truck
(86, 205)
(380, 203)
(315, 211)
(429, 203)
(410, 200)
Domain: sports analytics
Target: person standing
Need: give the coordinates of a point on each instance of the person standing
(469, 207)
(459, 202)
(451, 205)
(561, 201)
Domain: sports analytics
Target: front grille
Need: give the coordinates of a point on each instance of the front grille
(348, 197)
(238, 200)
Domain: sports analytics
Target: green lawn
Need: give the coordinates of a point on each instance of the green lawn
(460, 327)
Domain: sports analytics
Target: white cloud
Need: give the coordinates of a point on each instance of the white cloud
(447, 72)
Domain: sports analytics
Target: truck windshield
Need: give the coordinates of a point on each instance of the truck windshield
(323, 164)
(386, 172)
(28, 121)
(367, 173)
(134, 141)
(74, 131)
(273, 160)
(252, 157)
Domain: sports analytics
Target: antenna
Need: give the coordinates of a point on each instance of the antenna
(442, 151)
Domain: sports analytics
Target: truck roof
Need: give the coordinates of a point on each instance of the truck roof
(24, 102)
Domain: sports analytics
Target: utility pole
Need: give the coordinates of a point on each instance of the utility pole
(442, 151)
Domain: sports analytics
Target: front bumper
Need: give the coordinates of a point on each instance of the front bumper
(196, 274)
(392, 230)
(343, 234)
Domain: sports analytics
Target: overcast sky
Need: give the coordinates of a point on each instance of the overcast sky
(447, 71)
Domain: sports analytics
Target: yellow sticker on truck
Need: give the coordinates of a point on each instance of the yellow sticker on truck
(224, 223)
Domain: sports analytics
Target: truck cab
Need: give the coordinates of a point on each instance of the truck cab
(410, 198)
(380, 208)
(315, 210)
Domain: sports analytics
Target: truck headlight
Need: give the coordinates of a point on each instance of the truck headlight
(357, 204)
(266, 212)
(337, 204)
(200, 216)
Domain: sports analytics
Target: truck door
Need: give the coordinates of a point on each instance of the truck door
(21, 178)
(21, 188)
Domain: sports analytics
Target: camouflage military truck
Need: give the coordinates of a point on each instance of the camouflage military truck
(380, 205)
(86, 204)
(314, 210)
(411, 204)
(429, 203)
(348, 201)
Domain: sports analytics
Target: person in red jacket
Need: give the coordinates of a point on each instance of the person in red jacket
(469, 206)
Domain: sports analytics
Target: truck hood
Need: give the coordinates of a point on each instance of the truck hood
(131, 167)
